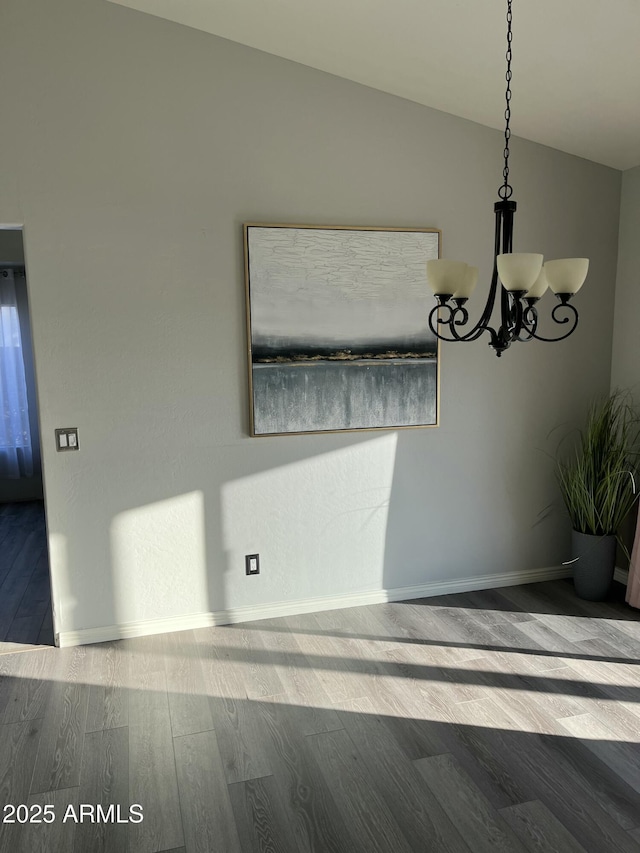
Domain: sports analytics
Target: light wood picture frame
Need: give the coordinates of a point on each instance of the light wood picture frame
(337, 328)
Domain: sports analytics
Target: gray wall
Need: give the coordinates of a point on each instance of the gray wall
(11, 246)
(139, 149)
(625, 368)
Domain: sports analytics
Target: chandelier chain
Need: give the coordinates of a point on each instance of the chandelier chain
(516, 305)
(506, 190)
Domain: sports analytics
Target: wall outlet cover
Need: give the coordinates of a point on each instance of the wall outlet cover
(252, 564)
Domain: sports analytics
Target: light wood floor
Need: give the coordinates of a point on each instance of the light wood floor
(489, 722)
(25, 595)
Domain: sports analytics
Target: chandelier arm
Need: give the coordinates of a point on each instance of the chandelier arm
(451, 322)
(434, 315)
(503, 237)
(483, 322)
(463, 319)
(518, 323)
(508, 315)
(504, 228)
(561, 322)
(529, 324)
(530, 317)
(474, 333)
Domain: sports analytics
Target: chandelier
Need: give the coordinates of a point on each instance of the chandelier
(523, 277)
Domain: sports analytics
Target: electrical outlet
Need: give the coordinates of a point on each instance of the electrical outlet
(252, 564)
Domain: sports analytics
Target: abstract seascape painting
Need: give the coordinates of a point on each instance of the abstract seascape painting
(337, 328)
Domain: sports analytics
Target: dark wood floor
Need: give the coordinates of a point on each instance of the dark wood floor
(25, 595)
(494, 722)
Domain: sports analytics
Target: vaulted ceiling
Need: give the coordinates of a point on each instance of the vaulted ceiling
(576, 63)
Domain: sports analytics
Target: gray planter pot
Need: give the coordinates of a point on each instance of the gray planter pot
(594, 568)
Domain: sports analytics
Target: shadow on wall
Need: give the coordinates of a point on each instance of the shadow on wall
(319, 525)
(365, 513)
(377, 514)
(468, 498)
(392, 511)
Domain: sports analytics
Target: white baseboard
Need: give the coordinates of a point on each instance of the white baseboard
(307, 605)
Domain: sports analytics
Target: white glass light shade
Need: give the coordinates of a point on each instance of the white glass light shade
(566, 275)
(468, 285)
(445, 277)
(539, 286)
(519, 270)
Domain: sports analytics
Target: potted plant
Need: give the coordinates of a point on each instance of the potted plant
(599, 487)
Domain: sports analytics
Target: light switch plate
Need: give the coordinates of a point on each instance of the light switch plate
(67, 438)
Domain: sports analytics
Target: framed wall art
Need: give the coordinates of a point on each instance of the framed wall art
(337, 328)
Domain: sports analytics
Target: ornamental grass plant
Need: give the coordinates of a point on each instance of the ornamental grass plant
(599, 480)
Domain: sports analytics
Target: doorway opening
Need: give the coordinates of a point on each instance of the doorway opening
(25, 587)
